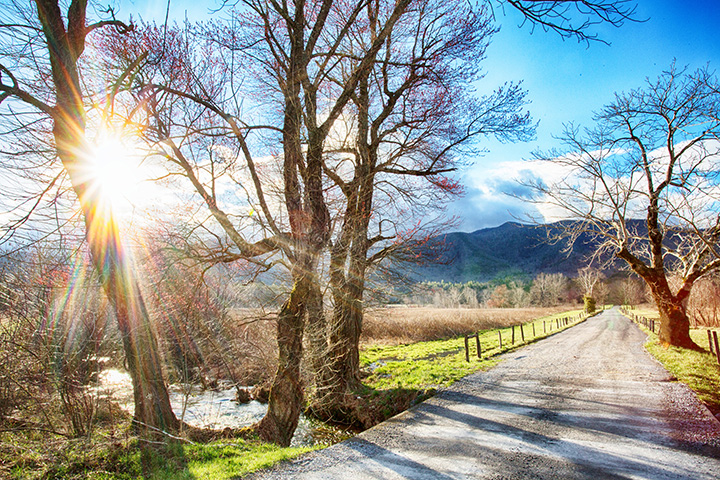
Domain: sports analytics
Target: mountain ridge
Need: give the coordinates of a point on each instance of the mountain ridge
(512, 250)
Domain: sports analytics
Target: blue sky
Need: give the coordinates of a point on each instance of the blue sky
(566, 81)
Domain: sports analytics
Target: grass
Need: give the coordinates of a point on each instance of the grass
(699, 370)
(129, 459)
(227, 460)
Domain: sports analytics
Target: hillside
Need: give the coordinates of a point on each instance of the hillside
(510, 250)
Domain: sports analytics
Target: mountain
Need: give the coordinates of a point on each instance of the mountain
(510, 250)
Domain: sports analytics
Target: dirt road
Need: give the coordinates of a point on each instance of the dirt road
(587, 403)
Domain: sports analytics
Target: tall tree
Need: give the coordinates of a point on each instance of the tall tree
(411, 119)
(654, 152)
(47, 77)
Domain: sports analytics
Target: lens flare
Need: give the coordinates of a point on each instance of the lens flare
(113, 171)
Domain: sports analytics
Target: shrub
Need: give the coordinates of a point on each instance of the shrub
(589, 304)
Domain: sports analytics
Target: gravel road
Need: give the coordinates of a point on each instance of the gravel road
(586, 403)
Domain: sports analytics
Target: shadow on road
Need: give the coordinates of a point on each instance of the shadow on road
(588, 461)
(401, 465)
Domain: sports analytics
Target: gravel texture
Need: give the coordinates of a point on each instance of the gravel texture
(586, 403)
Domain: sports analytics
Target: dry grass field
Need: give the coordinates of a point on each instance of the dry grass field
(399, 325)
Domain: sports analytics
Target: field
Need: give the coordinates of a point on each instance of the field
(400, 325)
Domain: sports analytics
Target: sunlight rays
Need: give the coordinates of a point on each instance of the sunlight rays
(113, 173)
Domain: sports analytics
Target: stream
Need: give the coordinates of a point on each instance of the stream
(215, 409)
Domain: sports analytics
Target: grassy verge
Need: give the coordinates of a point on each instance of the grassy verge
(129, 458)
(698, 370)
(426, 365)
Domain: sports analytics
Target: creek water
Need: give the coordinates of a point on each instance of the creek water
(212, 408)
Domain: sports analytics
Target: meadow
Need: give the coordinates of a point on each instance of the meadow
(405, 324)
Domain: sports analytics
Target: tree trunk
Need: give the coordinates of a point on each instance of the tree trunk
(348, 266)
(674, 322)
(286, 393)
(153, 411)
(317, 332)
(347, 327)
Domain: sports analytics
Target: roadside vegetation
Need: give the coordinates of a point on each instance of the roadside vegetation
(439, 363)
(128, 457)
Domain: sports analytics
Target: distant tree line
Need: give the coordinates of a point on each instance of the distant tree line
(543, 290)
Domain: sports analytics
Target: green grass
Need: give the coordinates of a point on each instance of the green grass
(698, 370)
(130, 459)
(224, 460)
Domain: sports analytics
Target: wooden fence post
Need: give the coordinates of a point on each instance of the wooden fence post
(717, 346)
(710, 341)
(522, 333)
(533, 330)
(467, 350)
(513, 335)
(500, 338)
(477, 343)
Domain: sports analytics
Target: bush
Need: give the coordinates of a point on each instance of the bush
(589, 304)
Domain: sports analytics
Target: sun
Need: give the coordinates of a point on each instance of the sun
(114, 173)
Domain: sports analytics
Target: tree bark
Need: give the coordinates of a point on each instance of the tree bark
(674, 322)
(348, 265)
(286, 392)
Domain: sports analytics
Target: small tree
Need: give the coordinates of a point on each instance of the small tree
(654, 153)
(499, 297)
(704, 304)
(548, 289)
(588, 278)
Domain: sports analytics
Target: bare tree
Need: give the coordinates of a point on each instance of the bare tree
(411, 119)
(292, 52)
(45, 46)
(519, 297)
(601, 292)
(548, 289)
(704, 303)
(573, 18)
(654, 153)
(498, 297)
(632, 290)
(588, 278)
